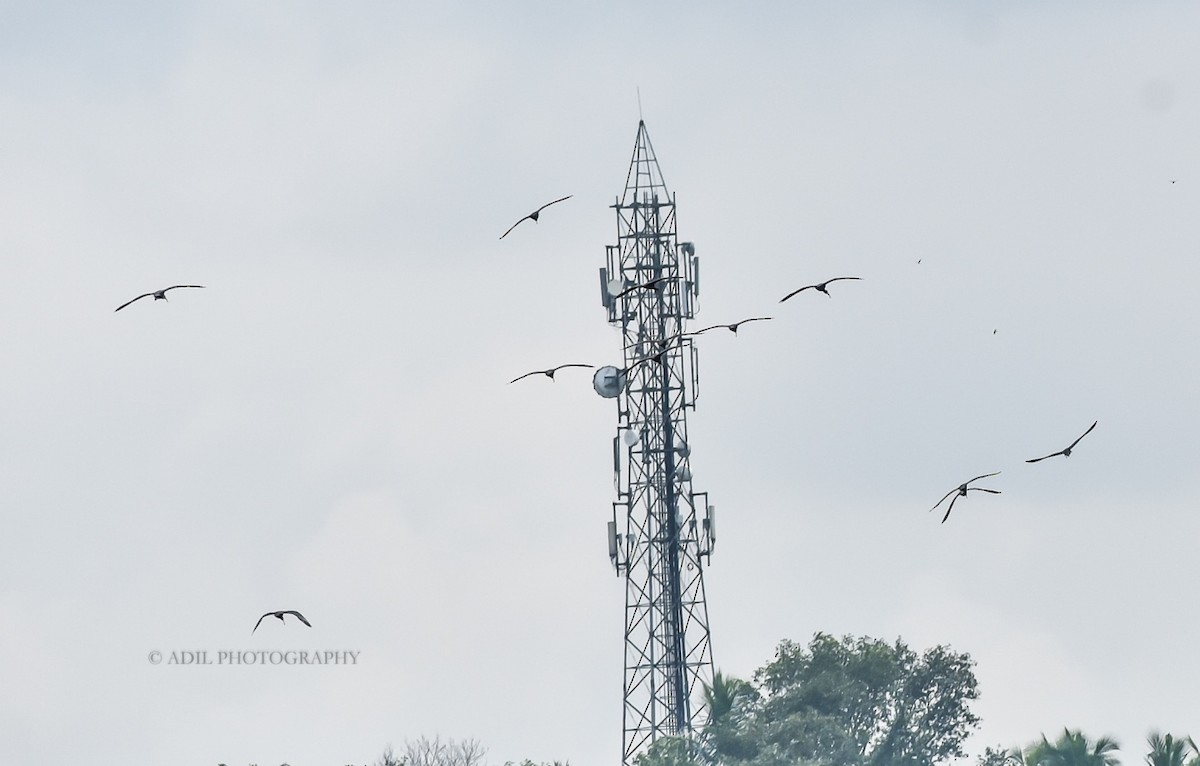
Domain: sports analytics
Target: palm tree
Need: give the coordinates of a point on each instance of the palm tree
(1195, 759)
(722, 694)
(1073, 749)
(1168, 751)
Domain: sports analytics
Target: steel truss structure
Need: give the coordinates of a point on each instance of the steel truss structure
(662, 533)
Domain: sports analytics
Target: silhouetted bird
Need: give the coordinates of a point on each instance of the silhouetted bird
(962, 490)
(280, 616)
(159, 295)
(534, 215)
(1066, 452)
(820, 287)
(733, 327)
(548, 373)
(651, 285)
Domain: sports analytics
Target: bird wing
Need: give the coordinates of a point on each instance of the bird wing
(555, 202)
(981, 489)
(706, 329)
(949, 508)
(628, 290)
(734, 327)
(948, 494)
(126, 303)
(526, 375)
(260, 619)
(172, 287)
(793, 292)
(1085, 433)
(300, 616)
(510, 228)
(561, 366)
(984, 476)
(1039, 459)
(835, 279)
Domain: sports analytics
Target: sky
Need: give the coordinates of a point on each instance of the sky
(328, 425)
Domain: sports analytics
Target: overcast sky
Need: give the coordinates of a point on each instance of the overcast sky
(328, 426)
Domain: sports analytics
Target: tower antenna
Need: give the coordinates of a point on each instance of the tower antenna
(662, 532)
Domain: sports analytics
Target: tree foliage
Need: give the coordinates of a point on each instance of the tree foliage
(847, 702)
(1168, 751)
(1072, 748)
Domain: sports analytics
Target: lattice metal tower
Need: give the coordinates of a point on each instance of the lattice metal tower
(662, 533)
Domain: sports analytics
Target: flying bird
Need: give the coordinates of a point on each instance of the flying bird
(549, 373)
(820, 287)
(657, 356)
(651, 285)
(1066, 452)
(280, 616)
(534, 215)
(159, 295)
(734, 326)
(962, 490)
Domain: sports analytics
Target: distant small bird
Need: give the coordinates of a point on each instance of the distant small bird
(280, 616)
(820, 287)
(1066, 452)
(651, 285)
(549, 373)
(534, 215)
(734, 326)
(159, 295)
(962, 490)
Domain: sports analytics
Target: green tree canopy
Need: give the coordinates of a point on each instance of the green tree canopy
(1168, 751)
(1072, 748)
(851, 702)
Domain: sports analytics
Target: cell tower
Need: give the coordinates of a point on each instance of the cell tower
(662, 533)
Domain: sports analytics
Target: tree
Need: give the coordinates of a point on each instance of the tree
(1000, 756)
(1167, 751)
(1073, 749)
(723, 693)
(668, 751)
(731, 705)
(863, 702)
(424, 751)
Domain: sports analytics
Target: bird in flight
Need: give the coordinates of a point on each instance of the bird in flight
(962, 490)
(280, 616)
(1066, 452)
(734, 326)
(159, 295)
(658, 356)
(820, 287)
(661, 343)
(534, 215)
(651, 285)
(550, 372)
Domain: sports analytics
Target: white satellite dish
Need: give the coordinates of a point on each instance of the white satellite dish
(631, 438)
(609, 382)
(615, 286)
